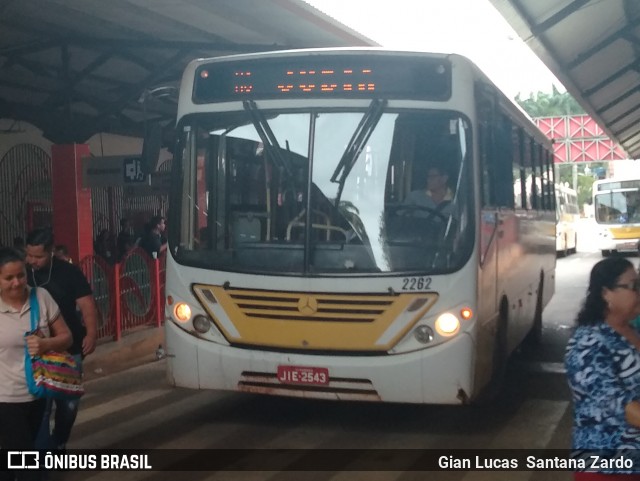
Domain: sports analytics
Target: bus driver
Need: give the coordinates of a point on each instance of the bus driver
(436, 196)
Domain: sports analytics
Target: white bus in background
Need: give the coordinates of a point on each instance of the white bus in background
(567, 218)
(297, 267)
(616, 205)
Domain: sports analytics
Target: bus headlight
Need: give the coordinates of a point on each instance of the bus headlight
(182, 312)
(201, 323)
(423, 334)
(447, 324)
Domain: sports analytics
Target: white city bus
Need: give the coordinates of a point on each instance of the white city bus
(616, 204)
(296, 265)
(567, 218)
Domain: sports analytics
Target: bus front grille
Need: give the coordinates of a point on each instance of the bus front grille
(314, 308)
(313, 321)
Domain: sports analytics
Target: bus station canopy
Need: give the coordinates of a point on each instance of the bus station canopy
(593, 48)
(74, 68)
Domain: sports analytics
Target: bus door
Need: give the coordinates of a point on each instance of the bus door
(498, 223)
(489, 213)
(498, 231)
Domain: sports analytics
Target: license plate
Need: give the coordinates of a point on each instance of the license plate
(303, 375)
(630, 246)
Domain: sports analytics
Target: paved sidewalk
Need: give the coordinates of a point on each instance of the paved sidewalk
(135, 348)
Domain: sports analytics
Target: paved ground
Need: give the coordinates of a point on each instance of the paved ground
(135, 348)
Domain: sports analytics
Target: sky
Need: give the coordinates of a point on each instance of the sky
(473, 28)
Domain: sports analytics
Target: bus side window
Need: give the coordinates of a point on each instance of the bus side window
(504, 164)
(496, 151)
(533, 177)
(519, 176)
(485, 108)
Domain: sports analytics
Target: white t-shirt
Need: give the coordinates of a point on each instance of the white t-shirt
(13, 325)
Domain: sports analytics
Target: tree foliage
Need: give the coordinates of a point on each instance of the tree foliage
(552, 104)
(584, 180)
(556, 104)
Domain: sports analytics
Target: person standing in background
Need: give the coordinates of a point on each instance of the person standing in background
(153, 240)
(18, 243)
(125, 241)
(104, 246)
(62, 253)
(69, 288)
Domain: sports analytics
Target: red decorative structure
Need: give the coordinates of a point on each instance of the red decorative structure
(72, 215)
(578, 138)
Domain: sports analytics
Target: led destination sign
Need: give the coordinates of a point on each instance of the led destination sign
(344, 76)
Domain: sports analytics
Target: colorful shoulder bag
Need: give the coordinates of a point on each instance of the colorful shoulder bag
(52, 374)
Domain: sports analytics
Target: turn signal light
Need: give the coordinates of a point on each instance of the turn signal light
(466, 313)
(182, 312)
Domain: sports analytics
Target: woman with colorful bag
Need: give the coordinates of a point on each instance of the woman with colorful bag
(21, 412)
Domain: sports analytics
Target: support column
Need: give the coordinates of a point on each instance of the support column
(72, 215)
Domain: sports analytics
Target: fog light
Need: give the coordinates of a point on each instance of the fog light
(447, 324)
(182, 312)
(201, 323)
(423, 334)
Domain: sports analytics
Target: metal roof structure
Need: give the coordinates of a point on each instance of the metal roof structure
(77, 67)
(593, 48)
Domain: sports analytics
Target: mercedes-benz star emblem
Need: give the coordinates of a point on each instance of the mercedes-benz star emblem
(307, 305)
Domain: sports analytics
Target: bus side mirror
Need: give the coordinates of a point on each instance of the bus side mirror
(151, 148)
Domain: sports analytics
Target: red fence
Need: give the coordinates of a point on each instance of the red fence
(129, 294)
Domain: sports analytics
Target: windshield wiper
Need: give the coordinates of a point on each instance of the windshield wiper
(357, 143)
(267, 137)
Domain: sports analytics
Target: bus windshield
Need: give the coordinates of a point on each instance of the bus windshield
(617, 206)
(324, 192)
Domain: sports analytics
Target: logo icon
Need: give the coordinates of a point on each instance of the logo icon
(133, 173)
(307, 305)
(23, 460)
